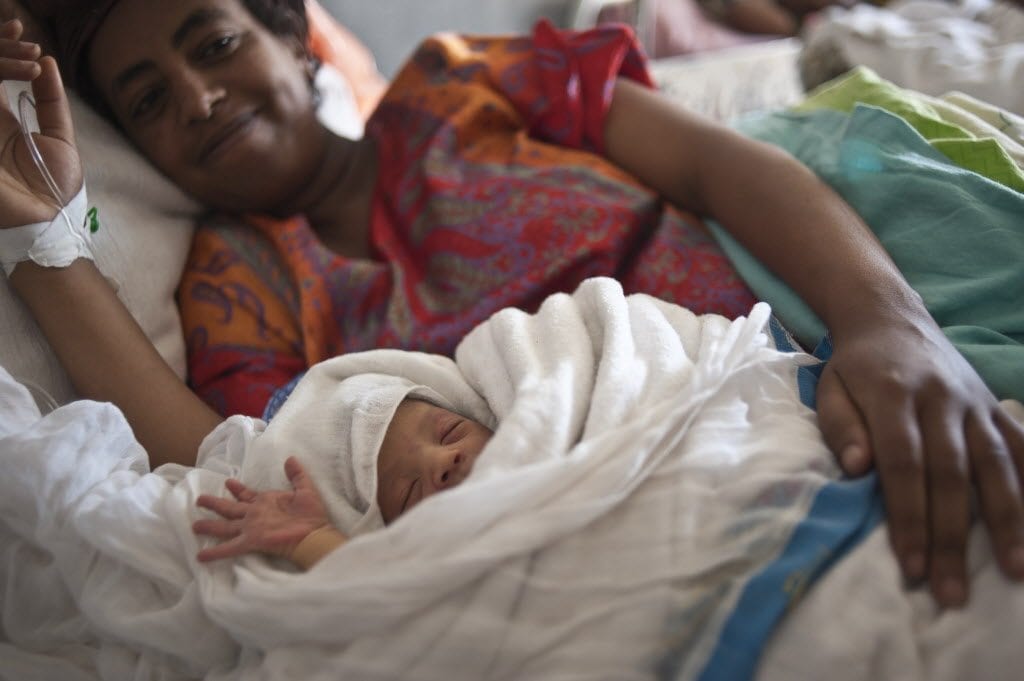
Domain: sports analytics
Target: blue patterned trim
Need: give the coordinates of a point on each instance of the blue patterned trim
(278, 398)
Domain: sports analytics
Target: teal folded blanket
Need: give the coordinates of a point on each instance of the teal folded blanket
(957, 236)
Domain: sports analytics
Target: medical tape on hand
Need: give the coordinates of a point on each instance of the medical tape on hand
(56, 243)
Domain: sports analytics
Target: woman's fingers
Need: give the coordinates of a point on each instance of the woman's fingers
(19, 50)
(11, 29)
(17, 58)
(949, 512)
(52, 109)
(19, 69)
(842, 424)
(996, 448)
(901, 468)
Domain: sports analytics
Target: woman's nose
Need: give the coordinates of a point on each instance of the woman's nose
(197, 97)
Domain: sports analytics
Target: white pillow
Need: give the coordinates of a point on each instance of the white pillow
(144, 239)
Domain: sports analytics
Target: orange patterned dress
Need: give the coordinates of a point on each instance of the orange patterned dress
(491, 192)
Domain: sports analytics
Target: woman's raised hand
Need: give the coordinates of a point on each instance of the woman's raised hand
(23, 191)
(271, 522)
(901, 397)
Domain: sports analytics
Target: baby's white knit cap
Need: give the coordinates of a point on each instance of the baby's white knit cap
(335, 428)
(368, 403)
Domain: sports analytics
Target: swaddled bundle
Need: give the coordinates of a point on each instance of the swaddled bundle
(335, 423)
(655, 496)
(647, 464)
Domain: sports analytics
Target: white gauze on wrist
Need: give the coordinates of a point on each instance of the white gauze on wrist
(56, 243)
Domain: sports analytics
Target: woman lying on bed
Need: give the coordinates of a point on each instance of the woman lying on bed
(405, 234)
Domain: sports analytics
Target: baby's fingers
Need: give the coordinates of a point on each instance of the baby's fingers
(222, 529)
(239, 490)
(296, 473)
(229, 549)
(232, 510)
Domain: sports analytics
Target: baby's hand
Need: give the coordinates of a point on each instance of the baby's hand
(271, 522)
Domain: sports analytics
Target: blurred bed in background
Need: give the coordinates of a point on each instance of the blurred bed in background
(728, 57)
(709, 67)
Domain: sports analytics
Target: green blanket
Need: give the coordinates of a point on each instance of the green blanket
(957, 236)
(863, 86)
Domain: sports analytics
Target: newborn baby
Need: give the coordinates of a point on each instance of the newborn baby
(376, 444)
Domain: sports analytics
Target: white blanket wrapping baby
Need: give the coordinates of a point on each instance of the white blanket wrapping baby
(655, 496)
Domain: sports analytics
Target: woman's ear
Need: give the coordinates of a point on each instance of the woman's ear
(297, 45)
(301, 50)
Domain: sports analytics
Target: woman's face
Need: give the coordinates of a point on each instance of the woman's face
(221, 105)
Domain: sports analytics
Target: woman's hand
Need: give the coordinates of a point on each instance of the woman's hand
(271, 522)
(896, 394)
(900, 396)
(23, 191)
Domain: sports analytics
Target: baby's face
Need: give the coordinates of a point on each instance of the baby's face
(426, 449)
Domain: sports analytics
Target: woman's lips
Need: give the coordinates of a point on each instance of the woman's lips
(227, 137)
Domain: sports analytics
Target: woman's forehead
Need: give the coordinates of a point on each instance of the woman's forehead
(134, 27)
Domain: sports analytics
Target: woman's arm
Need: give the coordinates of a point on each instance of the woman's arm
(896, 392)
(109, 358)
(97, 341)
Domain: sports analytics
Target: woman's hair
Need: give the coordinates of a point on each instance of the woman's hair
(73, 23)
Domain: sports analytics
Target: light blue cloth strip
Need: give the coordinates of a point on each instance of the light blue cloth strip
(957, 237)
(842, 515)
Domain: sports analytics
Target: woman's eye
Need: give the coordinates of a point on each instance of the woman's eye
(147, 103)
(217, 47)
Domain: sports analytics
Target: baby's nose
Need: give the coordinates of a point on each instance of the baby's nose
(448, 471)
